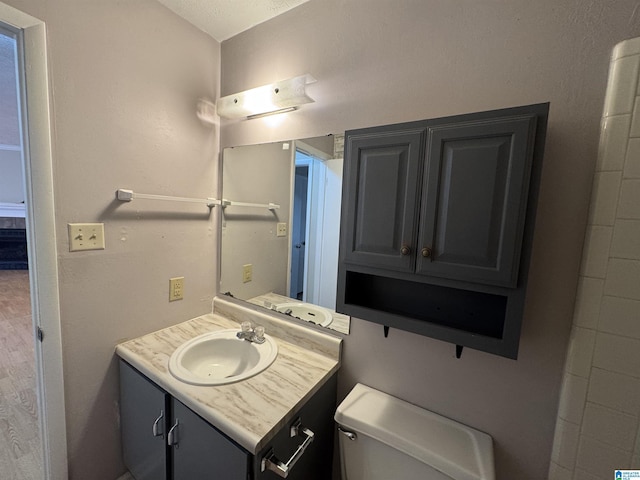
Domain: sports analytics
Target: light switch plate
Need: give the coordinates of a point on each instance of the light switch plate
(86, 236)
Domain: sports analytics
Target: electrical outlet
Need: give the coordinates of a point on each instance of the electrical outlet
(281, 230)
(176, 288)
(247, 273)
(86, 236)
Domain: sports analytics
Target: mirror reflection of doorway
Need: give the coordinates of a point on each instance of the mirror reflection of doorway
(299, 226)
(315, 227)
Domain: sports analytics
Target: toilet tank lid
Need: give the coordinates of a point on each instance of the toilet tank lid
(461, 452)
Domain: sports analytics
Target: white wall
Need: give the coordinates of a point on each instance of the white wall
(125, 79)
(380, 62)
(598, 421)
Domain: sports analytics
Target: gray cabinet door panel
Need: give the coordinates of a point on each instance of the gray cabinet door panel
(474, 208)
(383, 205)
(141, 403)
(204, 453)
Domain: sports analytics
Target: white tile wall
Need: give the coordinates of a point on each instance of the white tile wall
(614, 390)
(626, 48)
(588, 299)
(623, 82)
(596, 251)
(582, 475)
(580, 354)
(609, 426)
(632, 160)
(623, 278)
(572, 402)
(597, 430)
(626, 239)
(604, 198)
(600, 459)
(565, 445)
(629, 206)
(620, 316)
(613, 146)
(556, 472)
(617, 354)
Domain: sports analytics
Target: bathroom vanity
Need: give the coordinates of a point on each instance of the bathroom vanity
(277, 424)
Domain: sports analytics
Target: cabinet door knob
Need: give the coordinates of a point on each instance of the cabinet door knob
(426, 252)
(405, 250)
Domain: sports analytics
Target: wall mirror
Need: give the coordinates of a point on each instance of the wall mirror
(281, 225)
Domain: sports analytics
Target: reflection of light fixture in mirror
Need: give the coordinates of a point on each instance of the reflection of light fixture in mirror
(278, 97)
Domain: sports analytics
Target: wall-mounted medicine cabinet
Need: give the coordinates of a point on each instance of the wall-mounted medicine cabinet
(437, 225)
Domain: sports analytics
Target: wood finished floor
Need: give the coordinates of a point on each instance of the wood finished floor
(20, 449)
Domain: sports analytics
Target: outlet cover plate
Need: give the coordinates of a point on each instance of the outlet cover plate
(247, 273)
(176, 288)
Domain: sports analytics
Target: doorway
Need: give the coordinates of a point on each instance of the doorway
(37, 169)
(20, 439)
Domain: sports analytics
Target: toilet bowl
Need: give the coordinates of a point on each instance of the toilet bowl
(385, 438)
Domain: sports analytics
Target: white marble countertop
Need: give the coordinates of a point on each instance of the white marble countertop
(251, 411)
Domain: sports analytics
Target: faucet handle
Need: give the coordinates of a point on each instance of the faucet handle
(246, 327)
(259, 331)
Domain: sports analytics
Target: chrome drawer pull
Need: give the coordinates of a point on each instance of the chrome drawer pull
(271, 462)
(157, 429)
(172, 436)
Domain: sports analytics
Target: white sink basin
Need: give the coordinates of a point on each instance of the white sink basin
(307, 312)
(218, 358)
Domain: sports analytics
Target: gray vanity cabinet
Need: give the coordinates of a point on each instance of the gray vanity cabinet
(201, 451)
(165, 440)
(437, 224)
(151, 419)
(143, 409)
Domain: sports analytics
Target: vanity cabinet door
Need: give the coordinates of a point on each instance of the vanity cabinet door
(382, 197)
(201, 452)
(143, 409)
(475, 190)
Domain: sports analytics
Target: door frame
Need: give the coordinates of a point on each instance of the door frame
(41, 236)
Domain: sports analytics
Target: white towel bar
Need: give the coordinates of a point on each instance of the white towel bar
(125, 195)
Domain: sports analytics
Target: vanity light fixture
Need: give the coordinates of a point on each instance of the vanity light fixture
(279, 97)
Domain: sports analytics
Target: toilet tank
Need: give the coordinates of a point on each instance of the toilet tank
(386, 438)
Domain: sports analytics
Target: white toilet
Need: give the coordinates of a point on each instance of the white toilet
(385, 438)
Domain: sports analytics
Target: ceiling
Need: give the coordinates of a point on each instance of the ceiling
(222, 19)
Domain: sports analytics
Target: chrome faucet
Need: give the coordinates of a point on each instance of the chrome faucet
(251, 333)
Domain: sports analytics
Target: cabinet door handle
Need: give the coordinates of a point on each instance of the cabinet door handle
(426, 252)
(158, 430)
(271, 462)
(405, 250)
(172, 436)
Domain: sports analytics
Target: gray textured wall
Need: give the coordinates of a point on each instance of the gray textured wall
(383, 61)
(125, 78)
